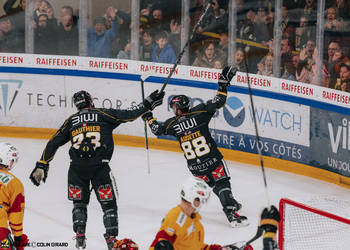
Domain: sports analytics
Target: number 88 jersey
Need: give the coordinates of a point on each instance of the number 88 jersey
(192, 132)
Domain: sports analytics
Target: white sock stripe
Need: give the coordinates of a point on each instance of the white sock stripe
(114, 184)
(224, 189)
(226, 169)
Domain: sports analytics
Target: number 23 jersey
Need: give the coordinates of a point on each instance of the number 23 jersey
(90, 133)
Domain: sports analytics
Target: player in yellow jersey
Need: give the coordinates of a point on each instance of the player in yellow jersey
(11, 201)
(182, 229)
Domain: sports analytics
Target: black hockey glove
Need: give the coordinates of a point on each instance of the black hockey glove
(39, 173)
(163, 245)
(226, 76)
(238, 246)
(153, 100)
(20, 242)
(270, 219)
(147, 116)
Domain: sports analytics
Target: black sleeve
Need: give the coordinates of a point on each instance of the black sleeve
(161, 128)
(126, 17)
(60, 138)
(124, 115)
(8, 7)
(217, 102)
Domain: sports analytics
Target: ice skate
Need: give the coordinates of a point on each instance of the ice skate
(80, 241)
(110, 240)
(235, 219)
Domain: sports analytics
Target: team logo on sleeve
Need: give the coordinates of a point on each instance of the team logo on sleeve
(204, 178)
(74, 192)
(5, 244)
(105, 192)
(219, 173)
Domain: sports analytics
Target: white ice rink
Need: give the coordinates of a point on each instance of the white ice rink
(144, 199)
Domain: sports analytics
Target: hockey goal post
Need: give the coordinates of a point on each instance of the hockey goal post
(304, 227)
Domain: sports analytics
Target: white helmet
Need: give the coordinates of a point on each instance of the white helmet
(193, 188)
(7, 154)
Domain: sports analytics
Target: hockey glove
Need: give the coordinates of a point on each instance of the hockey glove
(226, 76)
(39, 173)
(21, 241)
(163, 245)
(238, 246)
(125, 244)
(270, 219)
(147, 116)
(153, 100)
(213, 247)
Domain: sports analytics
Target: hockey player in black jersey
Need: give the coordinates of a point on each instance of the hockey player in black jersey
(204, 160)
(90, 132)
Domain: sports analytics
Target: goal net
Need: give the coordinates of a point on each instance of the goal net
(318, 224)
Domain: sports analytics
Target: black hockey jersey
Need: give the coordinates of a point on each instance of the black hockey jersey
(90, 133)
(192, 132)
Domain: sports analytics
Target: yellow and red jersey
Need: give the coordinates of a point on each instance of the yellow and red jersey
(184, 232)
(11, 203)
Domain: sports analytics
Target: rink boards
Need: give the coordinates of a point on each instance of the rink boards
(303, 129)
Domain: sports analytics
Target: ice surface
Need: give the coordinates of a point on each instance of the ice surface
(145, 199)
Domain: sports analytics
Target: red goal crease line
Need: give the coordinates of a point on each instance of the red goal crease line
(284, 201)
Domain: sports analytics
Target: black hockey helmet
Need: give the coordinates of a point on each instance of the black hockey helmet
(82, 99)
(180, 104)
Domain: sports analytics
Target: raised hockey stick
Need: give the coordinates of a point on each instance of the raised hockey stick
(209, 3)
(256, 130)
(143, 78)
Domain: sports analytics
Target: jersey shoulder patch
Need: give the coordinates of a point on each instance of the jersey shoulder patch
(181, 219)
(5, 178)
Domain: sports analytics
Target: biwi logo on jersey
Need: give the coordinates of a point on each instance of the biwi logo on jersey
(84, 118)
(185, 125)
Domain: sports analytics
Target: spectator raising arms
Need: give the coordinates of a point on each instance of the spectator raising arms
(99, 38)
(162, 51)
(44, 36)
(68, 37)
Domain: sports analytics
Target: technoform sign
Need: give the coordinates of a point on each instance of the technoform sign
(276, 119)
(9, 92)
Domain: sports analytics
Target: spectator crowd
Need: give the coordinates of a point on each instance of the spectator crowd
(56, 32)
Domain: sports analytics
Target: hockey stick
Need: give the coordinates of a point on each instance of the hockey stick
(258, 234)
(143, 78)
(209, 3)
(256, 130)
